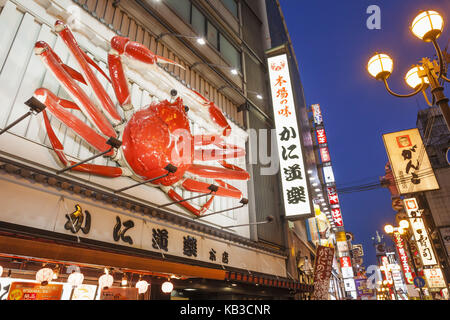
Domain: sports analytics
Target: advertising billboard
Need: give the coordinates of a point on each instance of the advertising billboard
(409, 161)
(292, 165)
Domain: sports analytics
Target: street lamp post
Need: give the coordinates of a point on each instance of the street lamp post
(427, 26)
(403, 226)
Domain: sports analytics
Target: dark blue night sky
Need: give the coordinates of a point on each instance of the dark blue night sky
(333, 45)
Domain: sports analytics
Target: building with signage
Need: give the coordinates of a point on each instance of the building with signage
(436, 137)
(410, 176)
(99, 189)
(327, 199)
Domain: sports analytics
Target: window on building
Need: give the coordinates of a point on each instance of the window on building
(230, 53)
(232, 6)
(182, 7)
(192, 15)
(212, 35)
(198, 21)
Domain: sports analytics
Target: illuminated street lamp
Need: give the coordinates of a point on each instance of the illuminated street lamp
(427, 26)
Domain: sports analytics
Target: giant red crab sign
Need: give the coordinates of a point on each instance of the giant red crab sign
(153, 139)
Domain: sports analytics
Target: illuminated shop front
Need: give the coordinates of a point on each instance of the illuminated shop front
(67, 208)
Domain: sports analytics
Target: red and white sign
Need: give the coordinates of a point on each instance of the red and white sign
(324, 155)
(321, 136)
(346, 262)
(337, 217)
(346, 267)
(404, 260)
(332, 195)
(411, 204)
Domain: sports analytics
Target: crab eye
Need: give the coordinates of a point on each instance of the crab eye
(186, 109)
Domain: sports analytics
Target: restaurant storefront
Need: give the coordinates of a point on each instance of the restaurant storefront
(81, 223)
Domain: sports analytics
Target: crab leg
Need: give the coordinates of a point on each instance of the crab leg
(176, 197)
(54, 65)
(225, 190)
(83, 62)
(88, 168)
(54, 105)
(216, 114)
(135, 50)
(226, 151)
(119, 81)
(205, 171)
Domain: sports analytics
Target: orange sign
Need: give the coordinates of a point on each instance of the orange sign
(119, 293)
(34, 291)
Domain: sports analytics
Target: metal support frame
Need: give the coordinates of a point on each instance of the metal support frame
(170, 168)
(213, 188)
(244, 202)
(113, 142)
(35, 107)
(269, 219)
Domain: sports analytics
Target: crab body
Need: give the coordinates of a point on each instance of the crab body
(152, 138)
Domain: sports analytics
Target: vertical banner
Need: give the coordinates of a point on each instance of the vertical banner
(317, 114)
(409, 161)
(404, 260)
(346, 267)
(322, 272)
(420, 232)
(292, 167)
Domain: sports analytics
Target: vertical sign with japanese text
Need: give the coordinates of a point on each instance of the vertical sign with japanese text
(292, 168)
(322, 272)
(404, 260)
(409, 161)
(420, 232)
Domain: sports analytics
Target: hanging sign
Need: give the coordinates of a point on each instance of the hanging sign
(292, 168)
(332, 195)
(404, 260)
(322, 272)
(435, 278)
(321, 136)
(409, 161)
(317, 114)
(346, 267)
(324, 155)
(420, 232)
